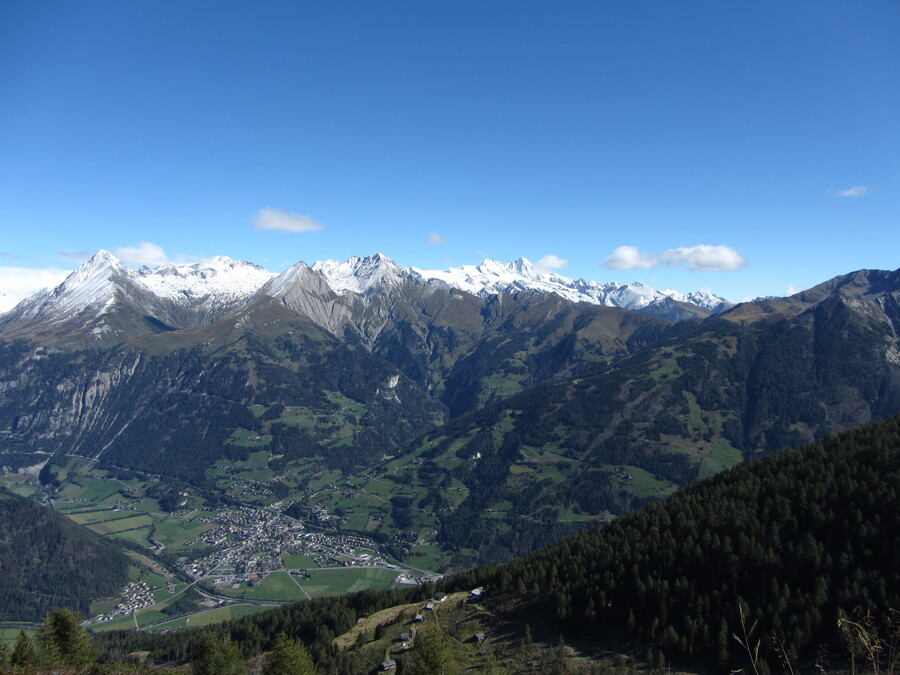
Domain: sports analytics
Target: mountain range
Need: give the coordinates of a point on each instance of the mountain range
(183, 295)
(545, 411)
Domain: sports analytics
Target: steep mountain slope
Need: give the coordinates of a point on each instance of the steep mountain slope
(103, 303)
(465, 349)
(794, 539)
(47, 561)
(175, 413)
(403, 350)
(715, 392)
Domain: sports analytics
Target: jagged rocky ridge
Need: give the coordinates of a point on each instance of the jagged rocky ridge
(180, 296)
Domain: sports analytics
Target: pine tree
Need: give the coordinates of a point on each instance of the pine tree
(433, 654)
(64, 641)
(215, 656)
(24, 652)
(526, 639)
(289, 657)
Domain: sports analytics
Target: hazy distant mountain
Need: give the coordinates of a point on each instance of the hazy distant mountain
(492, 277)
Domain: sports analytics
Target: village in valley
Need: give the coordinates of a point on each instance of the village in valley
(230, 559)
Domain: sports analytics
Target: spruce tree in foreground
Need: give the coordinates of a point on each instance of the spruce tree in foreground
(24, 653)
(214, 655)
(64, 641)
(288, 657)
(432, 654)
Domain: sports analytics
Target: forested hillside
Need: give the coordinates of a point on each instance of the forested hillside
(47, 561)
(796, 539)
(713, 393)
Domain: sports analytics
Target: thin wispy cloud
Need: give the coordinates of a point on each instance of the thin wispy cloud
(15, 256)
(145, 253)
(435, 238)
(285, 221)
(855, 191)
(75, 256)
(551, 262)
(702, 258)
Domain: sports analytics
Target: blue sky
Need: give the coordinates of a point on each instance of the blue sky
(750, 148)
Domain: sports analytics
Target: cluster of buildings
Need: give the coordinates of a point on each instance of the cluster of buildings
(245, 539)
(332, 550)
(252, 541)
(135, 597)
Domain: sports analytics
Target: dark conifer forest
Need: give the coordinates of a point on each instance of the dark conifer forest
(48, 561)
(797, 539)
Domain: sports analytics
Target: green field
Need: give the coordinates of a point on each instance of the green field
(276, 586)
(96, 516)
(722, 455)
(331, 582)
(122, 524)
(257, 474)
(150, 616)
(210, 616)
(9, 635)
(256, 460)
(91, 489)
(298, 562)
(138, 536)
(645, 484)
(427, 557)
(173, 532)
(125, 623)
(23, 490)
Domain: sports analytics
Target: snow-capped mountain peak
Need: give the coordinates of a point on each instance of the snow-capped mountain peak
(284, 282)
(188, 294)
(168, 296)
(359, 275)
(492, 276)
(218, 277)
(92, 284)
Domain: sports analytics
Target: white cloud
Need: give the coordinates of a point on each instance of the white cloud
(145, 253)
(630, 258)
(435, 238)
(703, 258)
(551, 262)
(17, 283)
(855, 191)
(793, 289)
(285, 221)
